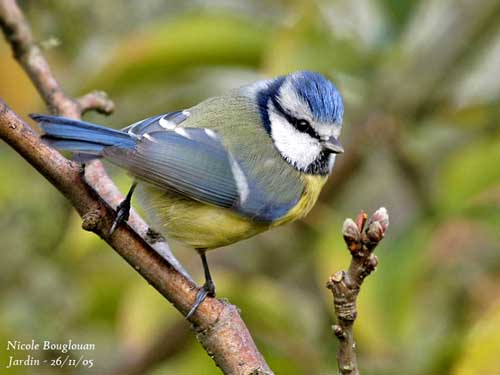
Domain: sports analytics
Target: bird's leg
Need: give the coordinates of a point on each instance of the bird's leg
(123, 209)
(208, 289)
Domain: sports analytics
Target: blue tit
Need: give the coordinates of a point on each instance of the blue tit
(228, 168)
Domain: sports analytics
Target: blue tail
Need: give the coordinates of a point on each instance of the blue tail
(80, 136)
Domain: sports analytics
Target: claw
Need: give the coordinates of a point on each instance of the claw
(123, 210)
(205, 290)
(208, 289)
(122, 215)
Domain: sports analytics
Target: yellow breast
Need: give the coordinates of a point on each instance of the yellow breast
(312, 188)
(207, 227)
(196, 224)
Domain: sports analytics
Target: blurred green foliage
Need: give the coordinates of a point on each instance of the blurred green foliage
(420, 84)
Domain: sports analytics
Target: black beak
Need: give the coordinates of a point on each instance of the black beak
(333, 145)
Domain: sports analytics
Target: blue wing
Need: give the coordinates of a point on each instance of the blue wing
(187, 161)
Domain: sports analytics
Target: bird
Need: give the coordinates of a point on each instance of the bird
(226, 169)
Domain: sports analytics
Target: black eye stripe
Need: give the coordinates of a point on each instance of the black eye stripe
(305, 127)
(300, 124)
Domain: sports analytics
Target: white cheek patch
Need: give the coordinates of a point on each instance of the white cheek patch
(298, 148)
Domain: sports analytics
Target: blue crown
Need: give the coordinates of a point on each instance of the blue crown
(320, 94)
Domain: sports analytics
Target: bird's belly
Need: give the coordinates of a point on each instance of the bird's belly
(196, 224)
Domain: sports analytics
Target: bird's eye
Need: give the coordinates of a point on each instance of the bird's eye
(302, 125)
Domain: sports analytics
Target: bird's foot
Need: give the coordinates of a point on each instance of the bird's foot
(122, 215)
(123, 210)
(208, 289)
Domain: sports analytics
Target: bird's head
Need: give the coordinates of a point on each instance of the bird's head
(302, 112)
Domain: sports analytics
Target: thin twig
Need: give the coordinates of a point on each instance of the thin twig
(96, 101)
(361, 238)
(217, 324)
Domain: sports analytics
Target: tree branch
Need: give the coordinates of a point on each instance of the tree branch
(95, 101)
(217, 324)
(361, 238)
